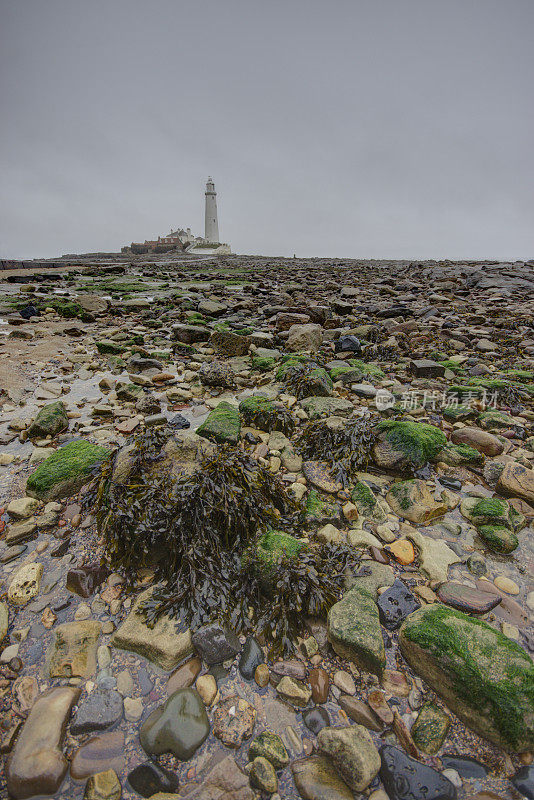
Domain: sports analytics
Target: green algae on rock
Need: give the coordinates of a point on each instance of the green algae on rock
(367, 504)
(430, 728)
(496, 521)
(259, 412)
(413, 500)
(222, 425)
(274, 545)
(403, 444)
(263, 363)
(354, 630)
(108, 346)
(319, 511)
(198, 532)
(51, 420)
(499, 538)
(289, 361)
(270, 746)
(345, 446)
(486, 679)
(307, 380)
(66, 470)
(458, 454)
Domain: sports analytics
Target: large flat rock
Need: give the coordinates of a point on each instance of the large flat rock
(161, 644)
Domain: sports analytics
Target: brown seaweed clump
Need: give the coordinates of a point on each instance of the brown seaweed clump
(203, 533)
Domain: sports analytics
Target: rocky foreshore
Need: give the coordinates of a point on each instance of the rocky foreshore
(266, 530)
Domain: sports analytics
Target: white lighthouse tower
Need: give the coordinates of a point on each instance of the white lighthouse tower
(211, 223)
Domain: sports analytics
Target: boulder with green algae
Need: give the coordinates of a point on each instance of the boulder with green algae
(498, 538)
(51, 420)
(263, 363)
(222, 425)
(430, 728)
(491, 511)
(353, 629)
(65, 471)
(456, 455)
(459, 413)
(496, 421)
(116, 364)
(308, 380)
(107, 346)
(402, 444)
(368, 504)
(413, 500)
(345, 374)
(274, 545)
(270, 746)
(319, 511)
(486, 679)
(287, 363)
(266, 415)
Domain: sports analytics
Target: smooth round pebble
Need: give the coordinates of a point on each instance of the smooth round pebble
(506, 585)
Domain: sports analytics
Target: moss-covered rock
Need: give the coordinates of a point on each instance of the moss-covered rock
(367, 504)
(263, 363)
(368, 369)
(266, 415)
(116, 364)
(486, 679)
(308, 380)
(65, 308)
(491, 511)
(105, 346)
(345, 373)
(274, 545)
(287, 363)
(412, 500)
(222, 425)
(319, 511)
(456, 455)
(498, 538)
(402, 444)
(495, 421)
(65, 471)
(430, 728)
(51, 420)
(270, 746)
(459, 413)
(354, 630)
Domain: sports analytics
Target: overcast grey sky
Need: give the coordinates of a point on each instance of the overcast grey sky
(356, 128)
